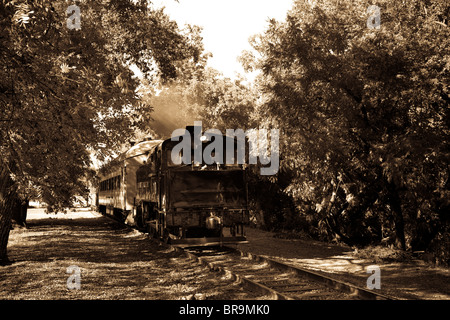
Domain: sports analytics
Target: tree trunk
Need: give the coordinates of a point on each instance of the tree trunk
(7, 198)
(24, 211)
(399, 223)
(20, 212)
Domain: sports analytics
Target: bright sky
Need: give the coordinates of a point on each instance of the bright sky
(227, 25)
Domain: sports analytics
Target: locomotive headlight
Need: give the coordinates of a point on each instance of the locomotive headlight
(213, 222)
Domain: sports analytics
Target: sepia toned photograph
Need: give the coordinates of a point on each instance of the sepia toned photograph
(214, 158)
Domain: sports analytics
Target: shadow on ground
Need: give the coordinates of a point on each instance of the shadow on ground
(116, 263)
(84, 239)
(413, 279)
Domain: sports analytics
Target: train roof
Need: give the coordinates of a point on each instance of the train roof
(139, 149)
(169, 140)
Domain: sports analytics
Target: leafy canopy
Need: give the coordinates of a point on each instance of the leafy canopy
(66, 94)
(364, 114)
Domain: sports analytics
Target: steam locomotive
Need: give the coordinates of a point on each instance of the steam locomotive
(187, 203)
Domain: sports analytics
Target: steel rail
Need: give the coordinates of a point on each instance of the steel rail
(255, 286)
(333, 283)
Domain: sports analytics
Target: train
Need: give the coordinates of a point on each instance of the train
(189, 203)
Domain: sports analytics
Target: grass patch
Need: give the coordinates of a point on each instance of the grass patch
(116, 263)
(381, 254)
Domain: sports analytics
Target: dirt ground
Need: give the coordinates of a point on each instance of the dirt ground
(115, 263)
(119, 263)
(410, 279)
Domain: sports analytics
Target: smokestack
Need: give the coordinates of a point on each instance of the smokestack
(191, 129)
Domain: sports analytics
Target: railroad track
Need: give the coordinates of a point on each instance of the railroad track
(277, 280)
(271, 278)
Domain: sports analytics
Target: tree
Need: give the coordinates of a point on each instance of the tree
(364, 113)
(66, 93)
